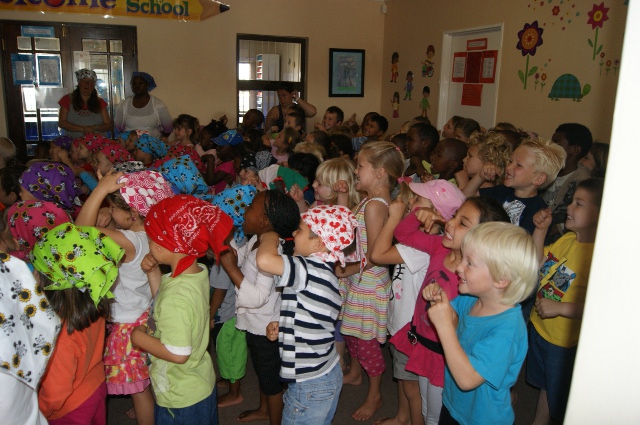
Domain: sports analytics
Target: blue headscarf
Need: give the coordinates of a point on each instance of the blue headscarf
(154, 147)
(233, 201)
(151, 83)
(185, 178)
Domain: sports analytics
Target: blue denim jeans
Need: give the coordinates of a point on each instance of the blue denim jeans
(313, 402)
(204, 412)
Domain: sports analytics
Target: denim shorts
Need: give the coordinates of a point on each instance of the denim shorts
(314, 401)
(550, 368)
(204, 412)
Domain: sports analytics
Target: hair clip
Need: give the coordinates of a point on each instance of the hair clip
(397, 148)
(405, 179)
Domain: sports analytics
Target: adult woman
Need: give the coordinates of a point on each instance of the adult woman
(286, 97)
(143, 111)
(83, 111)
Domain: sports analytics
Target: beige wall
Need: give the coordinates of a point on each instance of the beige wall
(412, 25)
(194, 63)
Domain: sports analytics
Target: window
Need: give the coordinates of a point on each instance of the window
(263, 62)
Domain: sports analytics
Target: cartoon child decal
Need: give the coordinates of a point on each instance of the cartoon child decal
(424, 103)
(395, 104)
(394, 66)
(408, 86)
(428, 63)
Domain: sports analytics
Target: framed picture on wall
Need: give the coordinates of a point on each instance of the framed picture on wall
(346, 73)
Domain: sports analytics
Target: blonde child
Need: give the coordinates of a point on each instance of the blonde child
(408, 275)
(483, 335)
(364, 313)
(485, 149)
(418, 339)
(77, 267)
(180, 230)
(557, 316)
(129, 197)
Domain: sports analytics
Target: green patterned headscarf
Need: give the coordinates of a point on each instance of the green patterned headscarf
(78, 256)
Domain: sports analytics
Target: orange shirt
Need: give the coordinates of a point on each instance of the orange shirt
(75, 370)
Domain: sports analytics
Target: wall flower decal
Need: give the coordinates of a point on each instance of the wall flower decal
(597, 17)
(529, 38)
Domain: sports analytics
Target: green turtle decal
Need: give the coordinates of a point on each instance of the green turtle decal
(567, 86)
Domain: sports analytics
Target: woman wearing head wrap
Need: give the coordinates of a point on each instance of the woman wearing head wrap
(83, 111)
(25, 347)
(143, 111)
(78, 266)
(181, 229)
(51, 181)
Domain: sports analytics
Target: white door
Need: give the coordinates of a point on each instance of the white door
(455, 44)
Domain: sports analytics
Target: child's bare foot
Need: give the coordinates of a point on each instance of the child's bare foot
(367, 409)
(229, 399)
(352, 379)
(131, 413)
(253, 415)
(390, 421)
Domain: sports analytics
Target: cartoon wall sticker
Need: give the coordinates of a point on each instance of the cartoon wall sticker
(394, 66)
(428, 63)
(395, 104)
(424, 103)
(408, 86)
(529, 38)
(597, 16)
(567, 86)
(539, 78)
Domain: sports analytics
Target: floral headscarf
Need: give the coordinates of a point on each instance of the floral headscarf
(30, 220)
(336, 226)
(129, 167)
(29, 326)
(188, 225)
(83, 73)
(154, 147)
(63, 142)
(93, 141)
(116, 153)
(144, 189)
(233, 201)
(179, 150)
(184, 176)
(78, 256)
(52, 181)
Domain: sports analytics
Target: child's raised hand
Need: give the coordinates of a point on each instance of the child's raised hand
(397, 208)
(441, 312)
(341, 186)
(148, 263)
(428, 217)
(548, 309)
(542, 219)
(489, 172)
(431, 292)
(426, 177)
(109, 182)
(272, 331)
(296, 193)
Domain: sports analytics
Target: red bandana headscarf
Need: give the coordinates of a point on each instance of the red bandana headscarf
(188, 225)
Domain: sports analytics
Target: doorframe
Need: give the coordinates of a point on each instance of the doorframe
(447, 61)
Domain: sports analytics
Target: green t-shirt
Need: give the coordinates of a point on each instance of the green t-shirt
(181, 313)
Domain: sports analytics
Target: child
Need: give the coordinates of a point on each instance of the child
(418, 339)
(51, 181)
(483, 336)
(576, 140)
(8, 152)
(130, 197)
(180, 230)
(223, 174)
(335, 183)
(449, 128)
(421, 140)
(447, 159)
(407, 279)
(340, 147)
(310, 297)
(596, 159)
(485, 149)
(149, 149)
(19, 382)
(556, 319)
(283, 144)
(252, 120)
(364, 313)
(534, 165)
(465, 128)
(10, 184)
(332, 118)
(373, 131)
(185, 130)
(127, 139)
(257, 301)
(78, 266)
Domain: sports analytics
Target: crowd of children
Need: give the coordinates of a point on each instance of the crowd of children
(139, 266)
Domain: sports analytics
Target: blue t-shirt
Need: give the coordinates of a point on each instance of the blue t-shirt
(520, 210)
(496, 346)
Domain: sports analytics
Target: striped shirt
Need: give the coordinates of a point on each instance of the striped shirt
(308, 313)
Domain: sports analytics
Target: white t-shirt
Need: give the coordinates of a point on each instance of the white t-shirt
(131, 288)
(19, 402)
(406, 281)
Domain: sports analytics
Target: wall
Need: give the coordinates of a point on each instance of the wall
(413, 25)
(194, 63)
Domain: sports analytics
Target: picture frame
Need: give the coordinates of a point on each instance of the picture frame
(346, 73)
